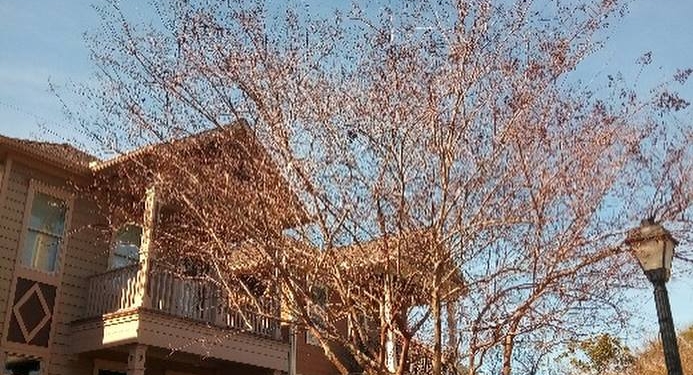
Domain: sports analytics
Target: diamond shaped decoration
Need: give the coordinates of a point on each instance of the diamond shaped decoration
(25, 320)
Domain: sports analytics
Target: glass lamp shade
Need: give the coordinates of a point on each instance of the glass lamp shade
(653, 246)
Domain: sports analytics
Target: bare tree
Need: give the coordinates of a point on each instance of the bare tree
(399, 172)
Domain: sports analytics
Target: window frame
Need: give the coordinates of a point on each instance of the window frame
(68, 199)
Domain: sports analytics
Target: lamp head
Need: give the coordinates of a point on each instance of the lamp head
(653, 247)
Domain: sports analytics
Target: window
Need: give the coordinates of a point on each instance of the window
(44, 233)
(103, 367)
(22, 366)
(126, 246)
(319, 297)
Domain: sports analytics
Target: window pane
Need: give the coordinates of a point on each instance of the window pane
(126, 246)
(40, 251)
(48, 214)
(120, 262)
(130, 235)
(127, 251)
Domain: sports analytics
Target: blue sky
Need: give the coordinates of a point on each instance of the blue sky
(42, 40)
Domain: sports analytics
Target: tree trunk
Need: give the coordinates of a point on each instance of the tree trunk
(507, 354)
(451, 315)
(390, 349)
(437, 333)
(508, 347)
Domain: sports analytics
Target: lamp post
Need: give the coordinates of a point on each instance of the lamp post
(653, 246)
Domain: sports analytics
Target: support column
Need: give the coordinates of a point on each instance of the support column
(292, 350)
(136, 360)
(143, 298)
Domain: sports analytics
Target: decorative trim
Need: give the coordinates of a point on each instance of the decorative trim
(41, 298)
(29, 335)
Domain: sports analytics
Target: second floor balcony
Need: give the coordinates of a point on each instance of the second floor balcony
(155, 306)
(191, 298)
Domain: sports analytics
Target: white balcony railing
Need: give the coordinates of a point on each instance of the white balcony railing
(185, 297)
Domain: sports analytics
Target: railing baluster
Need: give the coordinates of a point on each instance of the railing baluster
(171, 293)
(196, 299)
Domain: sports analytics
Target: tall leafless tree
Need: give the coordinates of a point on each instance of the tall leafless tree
(459, 189)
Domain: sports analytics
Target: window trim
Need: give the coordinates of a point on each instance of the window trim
(40, 275)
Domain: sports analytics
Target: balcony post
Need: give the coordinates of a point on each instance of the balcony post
(136, 359)
(276, 300)
(146, 254)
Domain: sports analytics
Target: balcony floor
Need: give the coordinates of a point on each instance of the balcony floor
(177, 334)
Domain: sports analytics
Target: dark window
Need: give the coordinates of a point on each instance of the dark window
(22, 366)
(108, 372)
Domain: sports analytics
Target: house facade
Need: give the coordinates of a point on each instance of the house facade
(78, 299)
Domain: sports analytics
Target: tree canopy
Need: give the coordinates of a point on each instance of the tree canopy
(444, 142)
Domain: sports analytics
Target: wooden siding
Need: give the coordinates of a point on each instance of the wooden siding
(82, 258)
(8, 238)
(311, 359)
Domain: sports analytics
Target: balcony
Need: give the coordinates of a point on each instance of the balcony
(157, 307)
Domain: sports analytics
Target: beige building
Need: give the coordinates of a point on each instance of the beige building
(73, 301)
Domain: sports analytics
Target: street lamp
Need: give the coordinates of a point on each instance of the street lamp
(653, 246)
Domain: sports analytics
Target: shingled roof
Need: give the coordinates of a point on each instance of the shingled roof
(409, 252)
(60, 154)
(72, 158)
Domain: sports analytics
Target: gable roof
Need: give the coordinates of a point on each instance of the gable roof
(59, 154)
(71, 158)
(238, 129)
(409, 253)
